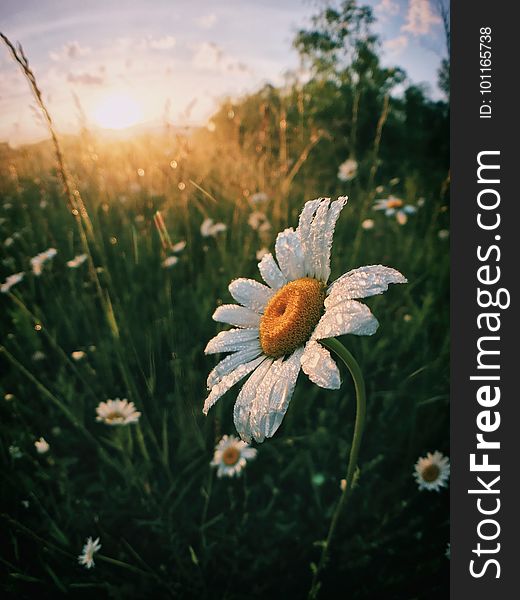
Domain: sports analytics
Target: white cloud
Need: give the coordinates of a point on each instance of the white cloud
(396, 45)
(420, 19)
(70, 50)
(85, 78)
(206, 21)
(209, 56)
(387, 8)
(164, 43)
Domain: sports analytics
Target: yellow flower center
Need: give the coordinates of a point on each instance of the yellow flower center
(230, 455)
(113, 416)
(291, 316)
(430, 473)
(394, 203)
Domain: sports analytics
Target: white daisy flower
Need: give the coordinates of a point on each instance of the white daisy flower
(261, 253)
(41, 445)
(78, 355)
(258, 221)
(432, 471)
(231, 456)
(368, 224)
(117, 412)
(211, 229)
(76, 261)
(170, 261)
(10, 281)
(86, 557)
(40, 259)
(259, 198)
(347, 170)
(179, 246)
(394, 206)
(279, 325)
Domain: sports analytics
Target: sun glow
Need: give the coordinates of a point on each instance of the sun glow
(117, 111)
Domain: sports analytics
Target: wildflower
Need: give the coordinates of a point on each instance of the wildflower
(258, 221)
(380, 189)
(179, 246)
(432, 472)
(42, 446)
(9, 397)
(14, 451)
(443, 234)
(209, 228)
(86, 557)
(78, 355)
(279, 325)
(231, 456)
(76, 261)
(259, 198)
(170, 261)
(347, 170)
(395, 206)
(8, 242)
(40, 259)
(261, 253)
(117, 412)
(10, 281)
(368, 224)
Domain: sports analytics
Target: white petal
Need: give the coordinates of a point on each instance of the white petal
(316, 229)
(305, 229)
(271, 273)
(319, 366)
(236, 315)
(243, 405)
(348, 317)
(361, 283)
(229, 381)
(274, 395)
(250, 293)
(231, 362)
(232, 340)
(289, 254)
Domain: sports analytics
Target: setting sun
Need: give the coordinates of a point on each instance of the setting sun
(117, 111)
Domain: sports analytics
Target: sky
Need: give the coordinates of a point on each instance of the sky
(134, 61)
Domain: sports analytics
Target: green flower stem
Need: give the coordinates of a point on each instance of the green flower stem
(359, 384)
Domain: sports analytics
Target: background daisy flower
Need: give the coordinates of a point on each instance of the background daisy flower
(231, 456)
(86, 557)
(394, 206)
(41, 445)
(10, 281)
(347, 170)
(117, 412)
(279, 325)
(211, 229)
(432, 471)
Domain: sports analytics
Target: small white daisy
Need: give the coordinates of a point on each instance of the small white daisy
(258, 221)
(179, 246)
(210, 229)
(86, 557)
(432, 471)
(40, 259)
(261, 253)
(76, 261)
(394, 206)
(347, 170)
(231, 456)
(259, 198)
(41, 445)
(279, 325)
(368, 224)
(78, 355)
(10, 281)
(117, 412)
(170, 261)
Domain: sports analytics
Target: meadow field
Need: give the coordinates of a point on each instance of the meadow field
(123, 309)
